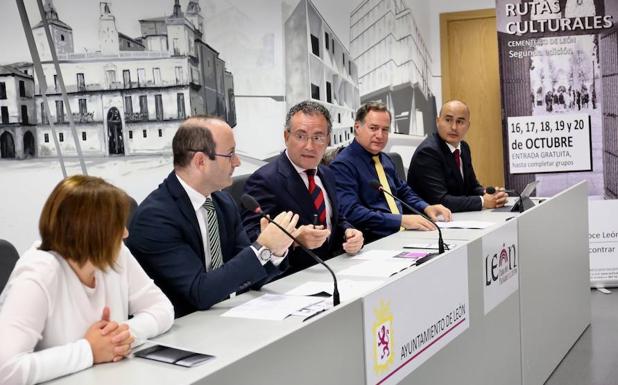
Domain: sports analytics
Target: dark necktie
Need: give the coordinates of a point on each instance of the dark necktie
(317, 196)
(457, 156)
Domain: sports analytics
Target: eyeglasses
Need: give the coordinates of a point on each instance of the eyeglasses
(318, 139)
(231, 155)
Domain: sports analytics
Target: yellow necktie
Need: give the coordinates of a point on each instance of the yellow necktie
(384, 182)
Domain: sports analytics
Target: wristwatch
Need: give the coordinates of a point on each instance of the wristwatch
(263, 252)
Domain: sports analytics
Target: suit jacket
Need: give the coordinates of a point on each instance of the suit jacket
(363, 206)
(277, 187)
(434, 175)
(165, 238)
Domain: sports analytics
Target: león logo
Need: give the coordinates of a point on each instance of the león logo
(383, 338)
(501, 266)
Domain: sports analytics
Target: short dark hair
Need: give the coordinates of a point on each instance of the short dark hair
(84, 219)
(363, 110)
(193, 135)
(308, 107)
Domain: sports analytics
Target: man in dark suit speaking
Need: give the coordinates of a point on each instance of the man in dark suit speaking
(188, 236)
(296, 181)
(441, 167)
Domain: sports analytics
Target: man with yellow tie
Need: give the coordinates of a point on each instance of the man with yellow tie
(372, 211)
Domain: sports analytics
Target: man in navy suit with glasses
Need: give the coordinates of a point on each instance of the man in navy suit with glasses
(187, 234)
(296, 181)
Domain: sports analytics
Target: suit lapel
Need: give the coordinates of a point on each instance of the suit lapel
(222, 224)
(184, 206)
(296, 189)
(450, 159)
(466, 160)
(330, 193)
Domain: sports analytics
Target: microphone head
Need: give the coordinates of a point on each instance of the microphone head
(249, 203)
(490, 190)
(375, 184)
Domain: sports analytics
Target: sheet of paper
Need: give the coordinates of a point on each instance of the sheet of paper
(310, 310)
(368, 255)
(431, 246)
(465, 225)
(381, 268)
(271, 307)
(348, 288)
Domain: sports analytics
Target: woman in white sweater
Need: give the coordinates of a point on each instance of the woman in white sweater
(68, 300)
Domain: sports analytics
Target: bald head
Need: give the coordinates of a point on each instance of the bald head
(455, 104)
(453, 122)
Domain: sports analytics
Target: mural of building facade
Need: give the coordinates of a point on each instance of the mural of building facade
(129, 96)
(393, 63)
(319, 67)
(17, 132)
(279, 55)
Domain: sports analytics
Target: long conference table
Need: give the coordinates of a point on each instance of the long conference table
(515, 335)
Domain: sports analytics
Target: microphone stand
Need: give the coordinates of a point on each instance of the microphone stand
(256, 209)
(441, 247)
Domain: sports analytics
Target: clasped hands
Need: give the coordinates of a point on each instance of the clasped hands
(497, 199)
(310, 236)
(109, 340)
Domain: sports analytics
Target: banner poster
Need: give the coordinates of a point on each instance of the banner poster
(402, 331)
(559, 86)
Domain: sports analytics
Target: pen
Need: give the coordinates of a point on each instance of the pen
(315, 220)
(314, 314)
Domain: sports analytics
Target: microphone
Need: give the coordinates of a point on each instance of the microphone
(518, 205)
(492, 190)
(252, 205)
(377, 186)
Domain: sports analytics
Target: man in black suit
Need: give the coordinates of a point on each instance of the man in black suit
(441, 167)
(295, 181)
(188, 236)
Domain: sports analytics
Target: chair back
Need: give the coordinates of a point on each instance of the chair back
(401, 172)
(132, 207)
(237, 188)
(8, 259)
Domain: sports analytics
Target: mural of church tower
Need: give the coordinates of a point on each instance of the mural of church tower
(108, 33)
(62, 33)
(194, 14)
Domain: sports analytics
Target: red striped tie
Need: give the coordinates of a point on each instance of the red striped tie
(317, 196)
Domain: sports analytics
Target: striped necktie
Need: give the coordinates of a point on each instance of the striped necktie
(317, 196)
(212, 229)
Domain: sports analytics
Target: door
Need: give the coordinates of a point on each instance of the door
(7, 146)
(114, 132)
(29, 146)
(470, 72)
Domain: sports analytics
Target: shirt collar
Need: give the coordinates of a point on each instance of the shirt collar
(453, 148)
(358, 149)
(196, 198)
(299, 170)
